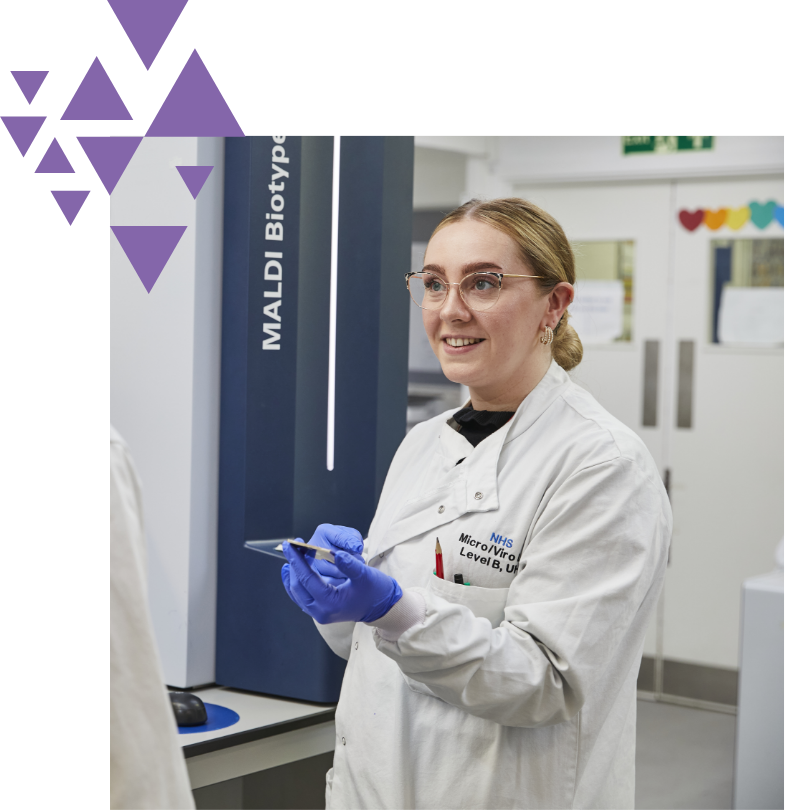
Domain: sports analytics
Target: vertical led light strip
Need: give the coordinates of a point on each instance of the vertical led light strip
(333, 304)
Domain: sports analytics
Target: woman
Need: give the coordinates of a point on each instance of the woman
(519, 689)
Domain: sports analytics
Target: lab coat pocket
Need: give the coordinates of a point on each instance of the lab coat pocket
(485, 603)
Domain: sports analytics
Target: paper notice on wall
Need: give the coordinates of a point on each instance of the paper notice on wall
(751, 316)
(597, 313)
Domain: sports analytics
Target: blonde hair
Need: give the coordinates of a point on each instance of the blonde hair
(543, 248)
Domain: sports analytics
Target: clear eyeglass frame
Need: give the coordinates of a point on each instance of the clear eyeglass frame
(464, 284)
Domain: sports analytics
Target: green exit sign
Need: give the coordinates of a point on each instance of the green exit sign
(665, 144)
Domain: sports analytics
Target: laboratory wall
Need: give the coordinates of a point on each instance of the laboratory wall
(165, 386)
(570, 159)
(439, 178)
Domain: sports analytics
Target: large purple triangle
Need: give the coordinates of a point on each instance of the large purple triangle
(195, 107)
(96, 99)
(70, 203)
(194, 177)
(23, 129)
(54, 161)
(29, 81)
(147, 23)
(148, 248)
(109, 156)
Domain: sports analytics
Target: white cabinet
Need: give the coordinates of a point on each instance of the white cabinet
(757, 781)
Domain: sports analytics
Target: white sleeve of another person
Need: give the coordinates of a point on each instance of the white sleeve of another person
(147, 765)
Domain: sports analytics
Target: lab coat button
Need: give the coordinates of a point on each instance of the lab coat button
(343, 740)
(356, 644)
(478, 496)
(441, 509)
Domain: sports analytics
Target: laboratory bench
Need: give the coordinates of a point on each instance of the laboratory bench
(275, 756)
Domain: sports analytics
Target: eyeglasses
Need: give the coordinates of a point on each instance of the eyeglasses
(479, 291)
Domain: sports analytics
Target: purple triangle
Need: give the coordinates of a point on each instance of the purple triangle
(194, 177)
(70, 203)
(54, 161)
(195, 107)
(29, 81)
(147, 23)
(96, 99)
(110, 156)
(148, 248)
(23, 129)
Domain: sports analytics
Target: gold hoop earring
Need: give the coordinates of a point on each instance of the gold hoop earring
(547, 338)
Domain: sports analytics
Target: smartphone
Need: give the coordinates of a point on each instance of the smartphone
(319, 552)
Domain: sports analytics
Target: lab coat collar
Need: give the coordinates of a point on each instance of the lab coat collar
(473, 487)
(482, 465)
(455, 447)
(549, 388)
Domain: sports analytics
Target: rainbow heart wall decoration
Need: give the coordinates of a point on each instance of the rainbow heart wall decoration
(761, 214)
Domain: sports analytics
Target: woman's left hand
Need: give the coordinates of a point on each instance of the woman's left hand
(335, 538)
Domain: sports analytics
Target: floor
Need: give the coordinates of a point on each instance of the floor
(684, 762)
(684, 758)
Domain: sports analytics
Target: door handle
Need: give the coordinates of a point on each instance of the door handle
(684, 394)
(651, 374)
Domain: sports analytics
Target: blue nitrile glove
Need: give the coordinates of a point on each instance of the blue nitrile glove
(335, 538)
(364, 596)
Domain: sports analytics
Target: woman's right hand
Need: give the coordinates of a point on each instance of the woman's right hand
(335, 538)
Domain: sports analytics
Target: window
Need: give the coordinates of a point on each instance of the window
(746, 292)
(602, 310)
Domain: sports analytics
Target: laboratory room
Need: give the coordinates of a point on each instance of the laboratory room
(447, 472)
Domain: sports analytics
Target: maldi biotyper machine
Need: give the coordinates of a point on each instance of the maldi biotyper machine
(314, 365)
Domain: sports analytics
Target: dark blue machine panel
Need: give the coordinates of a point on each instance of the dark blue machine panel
(274, 481)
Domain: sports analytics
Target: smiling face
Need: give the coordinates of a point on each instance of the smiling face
(496, 353)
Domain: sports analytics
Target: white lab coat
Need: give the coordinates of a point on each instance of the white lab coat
(146, 762)
(518, 691)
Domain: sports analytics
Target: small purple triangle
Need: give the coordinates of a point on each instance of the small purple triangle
(29, 81)
(23, 129)
(194, 177)
(195, 107)
(110, 156)
(148, 248)
(54, 161)
(147, 23)
(70, 203)
(96, 99)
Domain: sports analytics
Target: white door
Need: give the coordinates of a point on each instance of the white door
(727, 468)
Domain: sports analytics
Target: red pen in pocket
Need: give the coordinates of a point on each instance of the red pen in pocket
(439, 561)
